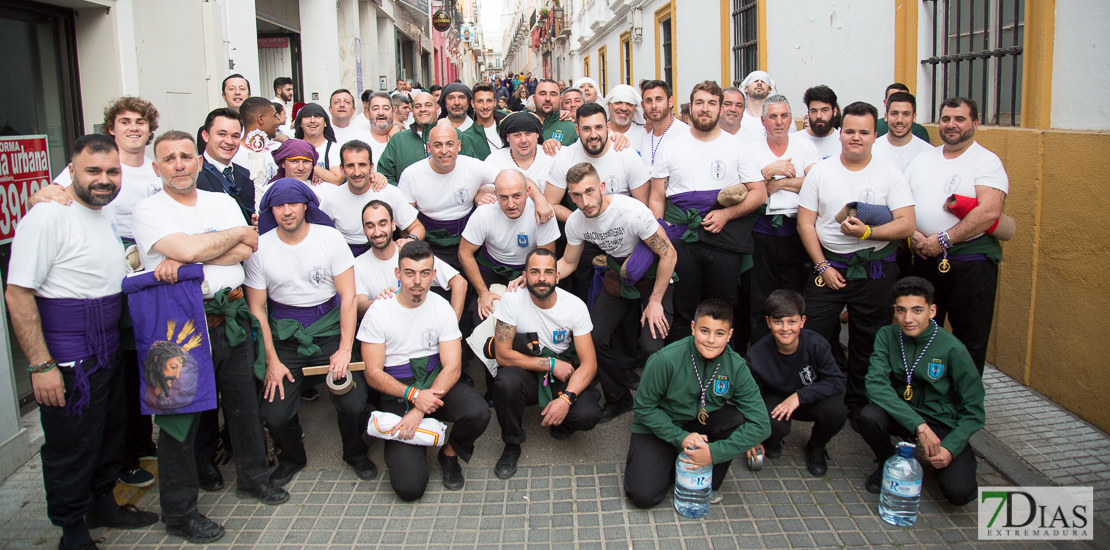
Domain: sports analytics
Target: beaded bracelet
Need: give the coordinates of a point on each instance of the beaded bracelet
(818, 269)
(945, 240)
(823, 268)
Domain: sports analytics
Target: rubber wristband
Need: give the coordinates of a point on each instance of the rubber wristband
(565, 398)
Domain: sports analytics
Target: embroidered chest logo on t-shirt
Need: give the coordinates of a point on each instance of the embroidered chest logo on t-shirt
(461, 195)
(721, 385)
(522, 240)
(430, 338)
(717, 170)
(952, 184)
(807, 376)
(867, 196)
(317, 275)
(558, 336)
(557, 135)
(936, 369)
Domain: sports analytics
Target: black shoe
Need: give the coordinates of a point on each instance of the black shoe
(875, 481)
(506, 465)
(199, 530)
(310, 394)
(560, 433)
(365, 469)
(284, 473)
(91, 545)
(613, 410)
(772, 449)
(208, 474)
(129, 517)
(452, 471)
(267, 494)
(815, 460)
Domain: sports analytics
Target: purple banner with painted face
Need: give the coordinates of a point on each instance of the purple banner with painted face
(171, 336)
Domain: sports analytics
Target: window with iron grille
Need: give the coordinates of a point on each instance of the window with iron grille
(668, 73)
(745, 40)
(977, 48)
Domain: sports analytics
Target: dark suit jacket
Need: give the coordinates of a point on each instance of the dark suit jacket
(210, 179)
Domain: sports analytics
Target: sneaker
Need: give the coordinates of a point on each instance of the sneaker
(137, 477)
(815, 460)
(772, 449)
(506, 465)
(365, 469)
(267, 494)
(875, 481)
(310, 394)
(452, 472)
(129, 517)
(716, 497)
(613, 410)
(199, 530)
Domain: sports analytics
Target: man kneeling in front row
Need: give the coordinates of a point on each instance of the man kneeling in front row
(714, 415)
(561, 323)
(938, 396)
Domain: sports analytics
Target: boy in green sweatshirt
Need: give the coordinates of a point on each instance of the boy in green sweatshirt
(696, 394)
(923, 383)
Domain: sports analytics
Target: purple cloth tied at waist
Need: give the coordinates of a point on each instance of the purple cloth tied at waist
(642, 257)
(700, 200)
(404, 370)
(454, 227)
(304, 315)
(76, 329)
(763, 226)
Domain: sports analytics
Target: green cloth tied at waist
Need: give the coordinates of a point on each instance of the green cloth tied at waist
(547, 379)
(286, 329)
(502, 270)
(441, 238)
(987, 245)
(238, 309)
(632, 292)
(691, 218)
(856, 269)
(424, 378)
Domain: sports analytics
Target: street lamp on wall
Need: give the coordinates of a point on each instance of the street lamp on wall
(557, 12)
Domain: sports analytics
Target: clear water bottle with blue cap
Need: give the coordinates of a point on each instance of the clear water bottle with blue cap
(693, 488)
(901, 487)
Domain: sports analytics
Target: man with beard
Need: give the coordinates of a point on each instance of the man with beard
(853, 261)
(918, 130)
(413, 351)
(66, 260)
(505, 232)
(402, 109)
(521, 132)
(283, 94)
(344, 204)
(959, 255)
(625, 116)
(182, 226)
(313, 125)
(900, 146)
(411, 146)
(716, 238)
(454, 105)
(378, 111)
(732, 110)
(824, 121)
(483, 134)
(617, 225)
(548, 102)
(661, 125)
(779, 259)
(559, 379)
(756, 86)
(376, 272)
(344, 121)
(303, 276)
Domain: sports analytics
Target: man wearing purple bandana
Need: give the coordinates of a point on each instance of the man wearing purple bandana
(303, 273)
(64, 293)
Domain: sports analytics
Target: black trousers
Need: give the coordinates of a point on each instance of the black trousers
(280, 416)
(965, 296)
(614, 362)
(140, 426)
(516, 388)
(869, 309)
(957, 480)
(828, 416)
(469, 416)
(703, 272)
(234, 368)
(649, 468)
(781, 262)
(82, 453)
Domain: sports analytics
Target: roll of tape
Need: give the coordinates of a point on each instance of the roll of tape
(756, 464)
(340, 389)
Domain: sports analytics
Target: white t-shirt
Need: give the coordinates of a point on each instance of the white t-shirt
(828, 146)
(301, 274)
(900, 156)
(752, 128)
(332, 155)
(695, 165)
(650, 143)
(556, 326)
(67, 252)
(345, 208)
(801, 153)
(161, 215)
(538, 171)
(508, 241)
(343, 135)
(409, 333)
(136, 184)
(617, 230)
(372, 275)
(829, 186)
(622, 171)
(376, 147)
(635, 136)
(934, 178)
(493, 138)
(448, 196)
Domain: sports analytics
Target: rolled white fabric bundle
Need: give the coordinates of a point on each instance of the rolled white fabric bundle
(430, 432)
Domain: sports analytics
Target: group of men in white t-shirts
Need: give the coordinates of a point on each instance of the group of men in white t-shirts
(338, 265)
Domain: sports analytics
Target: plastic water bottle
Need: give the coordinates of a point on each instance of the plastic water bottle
(901, 487)
(692, 488)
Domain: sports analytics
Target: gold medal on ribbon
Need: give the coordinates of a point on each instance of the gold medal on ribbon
(944, 266)
(907, 395)
(703, 416)
(819, 281)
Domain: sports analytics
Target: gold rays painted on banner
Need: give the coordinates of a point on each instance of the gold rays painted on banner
(187, 331)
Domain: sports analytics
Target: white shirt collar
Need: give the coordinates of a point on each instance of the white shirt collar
(220, 167)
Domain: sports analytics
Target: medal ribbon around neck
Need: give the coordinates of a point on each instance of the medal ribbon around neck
(908, 394)
(655, 147)
(702, 415)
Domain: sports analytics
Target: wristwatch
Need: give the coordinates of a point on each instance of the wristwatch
(570, 395)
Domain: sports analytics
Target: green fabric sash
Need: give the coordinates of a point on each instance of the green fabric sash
(627, 290)
(690, 218)
(987, 245)
(504, 271)
(441, 238)
(424, 379)
(856, 270)
(238, 309)
(286, 329)
(570, 356)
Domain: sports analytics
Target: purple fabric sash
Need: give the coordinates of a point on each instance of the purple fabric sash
(304, 315)
(76, 329)
(453, 227)
(358, 249)
(643, 257)
(701, 200)
(789, 226)
(404, 370)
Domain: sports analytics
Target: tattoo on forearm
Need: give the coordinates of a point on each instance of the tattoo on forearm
(658, 245)
(505, 332)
